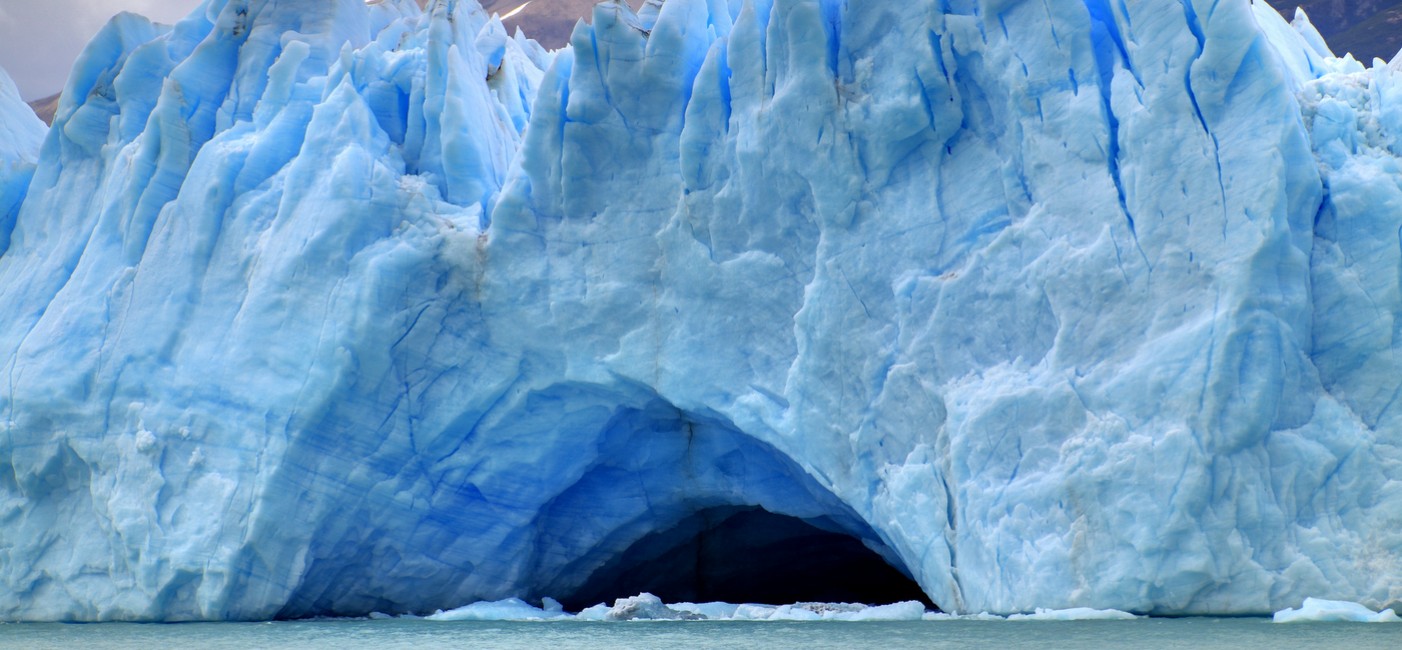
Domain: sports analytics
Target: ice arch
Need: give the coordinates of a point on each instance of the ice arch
(686, 504)
(558, 490)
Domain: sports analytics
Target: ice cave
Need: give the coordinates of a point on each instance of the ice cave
(749, 555)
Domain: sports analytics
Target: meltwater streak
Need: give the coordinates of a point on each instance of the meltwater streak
(1142, 634)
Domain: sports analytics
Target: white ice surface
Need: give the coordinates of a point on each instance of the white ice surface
(1074, 614)
(510, 609)
(1334, 611)
(647, 607)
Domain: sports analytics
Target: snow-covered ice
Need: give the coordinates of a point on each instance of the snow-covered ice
(647, 607)
(1074, 614)
(642, 607)
(314, 307)
(510, 609)
(1315, 610)
(903, 611)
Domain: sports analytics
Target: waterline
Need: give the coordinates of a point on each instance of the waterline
(419, 634)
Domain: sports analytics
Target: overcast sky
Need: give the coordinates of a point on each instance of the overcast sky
(39, 39)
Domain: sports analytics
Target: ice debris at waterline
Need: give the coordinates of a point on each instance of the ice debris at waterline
(323, 308)
(1334, 611)
(509, 609)
(647, 607)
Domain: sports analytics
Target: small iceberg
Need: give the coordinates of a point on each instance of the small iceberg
(1072, 614)
(647, 607)
(511, 609)
(903, 611)
(1334, 611)
(642, 607)
(1075, 614)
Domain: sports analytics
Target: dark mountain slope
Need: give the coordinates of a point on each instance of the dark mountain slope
(549, 22)
(1379, 36)
(1367, 28)
(45, 108)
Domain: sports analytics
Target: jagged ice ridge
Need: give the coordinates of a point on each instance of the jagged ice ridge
(326, 307)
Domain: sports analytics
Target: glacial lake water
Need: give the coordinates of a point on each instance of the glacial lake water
(1144, 634)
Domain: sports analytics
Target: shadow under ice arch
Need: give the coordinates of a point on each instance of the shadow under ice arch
(686, 505)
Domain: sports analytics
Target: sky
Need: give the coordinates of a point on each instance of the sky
(40, 39)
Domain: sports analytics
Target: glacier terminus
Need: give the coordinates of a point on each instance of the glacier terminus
(329, 307)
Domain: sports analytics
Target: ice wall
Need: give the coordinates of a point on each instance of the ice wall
(1039, 271)
(231, 226)
(333, 307)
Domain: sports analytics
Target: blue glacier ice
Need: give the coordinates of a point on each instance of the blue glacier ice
(325, 307)
(21, 134)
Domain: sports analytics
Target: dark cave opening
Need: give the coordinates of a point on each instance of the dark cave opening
(749, 555)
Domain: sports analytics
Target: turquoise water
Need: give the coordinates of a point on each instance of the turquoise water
(1147, 634)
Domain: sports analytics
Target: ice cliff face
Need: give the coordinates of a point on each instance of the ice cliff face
(327, 307)
(21, 132)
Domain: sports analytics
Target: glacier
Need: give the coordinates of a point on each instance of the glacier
(330, 307)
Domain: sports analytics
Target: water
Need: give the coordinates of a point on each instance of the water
(1146, 634)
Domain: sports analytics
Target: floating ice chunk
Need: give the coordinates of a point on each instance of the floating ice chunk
(807, 611)
(945, 616)
(1335, 611)
(1074, 614)
(598, 612)
(751, 612)
(713, 611)
(511, 609)
(903, 611)
(909, 610)
(647, 607)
